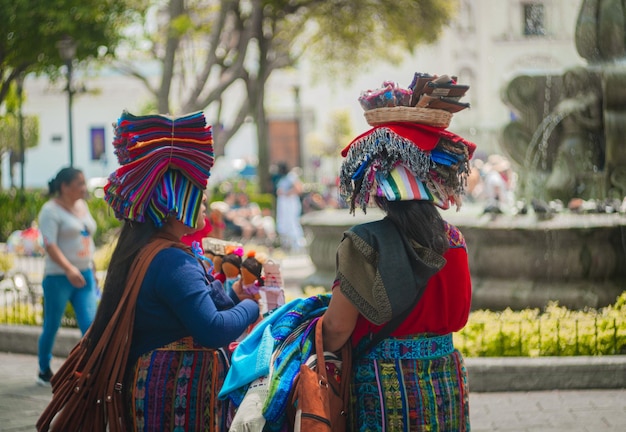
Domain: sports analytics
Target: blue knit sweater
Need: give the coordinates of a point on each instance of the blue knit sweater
(178, 299)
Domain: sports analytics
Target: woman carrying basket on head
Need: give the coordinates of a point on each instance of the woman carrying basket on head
(403, 283)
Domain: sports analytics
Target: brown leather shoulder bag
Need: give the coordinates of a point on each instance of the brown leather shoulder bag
(318, 402)
(87, 390)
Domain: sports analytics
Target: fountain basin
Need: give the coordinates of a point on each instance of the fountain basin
(515, 261)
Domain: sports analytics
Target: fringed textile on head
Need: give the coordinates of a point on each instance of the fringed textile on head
(175, 195)
(438, 159)
(149, 147)
(402, 185)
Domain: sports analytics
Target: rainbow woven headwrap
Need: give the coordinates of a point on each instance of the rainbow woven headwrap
(165, 164)
(402, 161)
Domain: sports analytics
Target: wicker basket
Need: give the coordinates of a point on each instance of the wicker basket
(429, 116)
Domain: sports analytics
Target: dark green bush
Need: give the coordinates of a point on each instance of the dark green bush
(23, 209)
(105, 219)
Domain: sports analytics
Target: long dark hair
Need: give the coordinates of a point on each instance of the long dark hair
(64, 176)
(419, 221)
(133, 237)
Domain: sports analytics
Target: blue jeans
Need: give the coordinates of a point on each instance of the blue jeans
(57, 291)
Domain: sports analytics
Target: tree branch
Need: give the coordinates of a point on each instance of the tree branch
(130, 70)
(211, 59)
(176, 9)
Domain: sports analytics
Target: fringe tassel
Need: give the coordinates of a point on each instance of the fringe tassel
(382, 150)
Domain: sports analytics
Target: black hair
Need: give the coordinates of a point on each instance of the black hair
(418, 220)
(133, 237)
(65, 176)
(253, 265)
(283, 168)
(232, 258)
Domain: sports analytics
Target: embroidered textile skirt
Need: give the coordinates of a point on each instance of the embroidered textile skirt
(174, 388)
(414, 384)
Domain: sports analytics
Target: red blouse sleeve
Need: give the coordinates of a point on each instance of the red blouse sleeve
(445, 304)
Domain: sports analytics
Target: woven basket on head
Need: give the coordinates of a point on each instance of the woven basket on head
(428, 116)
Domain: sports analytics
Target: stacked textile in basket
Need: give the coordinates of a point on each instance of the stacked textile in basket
(429, 99)
(408, 154)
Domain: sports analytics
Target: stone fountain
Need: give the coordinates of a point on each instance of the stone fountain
(515, 261)
(568, 141)
(568, 138)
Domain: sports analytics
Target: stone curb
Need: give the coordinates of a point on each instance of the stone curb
(498, 374)
(506, 374)
(22, 339)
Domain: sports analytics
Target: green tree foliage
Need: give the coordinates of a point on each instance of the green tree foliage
(10, 130)
(359, 33)
(31, 29)
(213, 46)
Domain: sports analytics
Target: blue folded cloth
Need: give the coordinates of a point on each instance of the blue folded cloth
(251, 359)
(269, 347)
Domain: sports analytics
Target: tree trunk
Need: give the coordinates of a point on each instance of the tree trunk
(265, 183)
(1, 186)
(176, 8)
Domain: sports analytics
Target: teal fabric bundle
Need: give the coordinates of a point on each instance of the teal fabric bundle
(289, 331)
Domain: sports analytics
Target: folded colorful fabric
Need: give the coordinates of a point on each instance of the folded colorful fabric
(159, 154)
(275, 348)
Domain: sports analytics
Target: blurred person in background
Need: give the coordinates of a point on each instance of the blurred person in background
(289, 208)
(67, 228)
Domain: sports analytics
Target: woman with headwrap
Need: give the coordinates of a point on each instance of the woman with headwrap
(152, 359)
(403, 282)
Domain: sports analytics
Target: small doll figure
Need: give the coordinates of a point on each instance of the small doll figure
(251, 270)
(272, 293)
(217, 266)
(231, 266)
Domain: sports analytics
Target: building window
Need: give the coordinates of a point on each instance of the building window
(533, 19)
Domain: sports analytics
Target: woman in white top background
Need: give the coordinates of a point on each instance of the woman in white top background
(67, 228)
(289, 208)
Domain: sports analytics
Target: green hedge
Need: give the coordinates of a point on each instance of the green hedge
(25, 207)
(555, 331)
(22, 208)
(218, 191)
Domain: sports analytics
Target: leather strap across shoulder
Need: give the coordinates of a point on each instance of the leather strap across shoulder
(87, 390)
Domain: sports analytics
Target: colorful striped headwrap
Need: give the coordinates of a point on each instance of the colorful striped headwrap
(165, 164)
(405, 161)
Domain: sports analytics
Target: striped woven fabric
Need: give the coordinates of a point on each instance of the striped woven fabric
(174, 388)
(402, 185)
(437, 158)
(176, 195)
(149, 147)
(410, 395)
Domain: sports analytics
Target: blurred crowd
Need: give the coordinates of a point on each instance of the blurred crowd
(236, 216)
(492, 182)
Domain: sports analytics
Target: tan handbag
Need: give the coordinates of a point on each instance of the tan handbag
(87, 390)
(319, 403)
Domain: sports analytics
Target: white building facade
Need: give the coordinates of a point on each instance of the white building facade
(489, 42)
